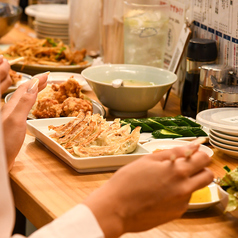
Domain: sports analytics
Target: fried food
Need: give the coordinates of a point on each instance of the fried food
(71, 106)
(47, 108)
(14, 76)
(45, 52)
(90, 135)
(61, 100)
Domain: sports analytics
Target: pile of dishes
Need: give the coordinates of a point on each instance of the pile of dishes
(51, 20)
(223, 125)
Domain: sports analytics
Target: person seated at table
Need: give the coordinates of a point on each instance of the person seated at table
(148, 192)
(15, 112)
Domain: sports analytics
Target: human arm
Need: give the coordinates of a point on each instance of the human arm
(5, 79)
(149, 192)
(14, 115)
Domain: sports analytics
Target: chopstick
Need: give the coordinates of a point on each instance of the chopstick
(188, 153)
(14, 61)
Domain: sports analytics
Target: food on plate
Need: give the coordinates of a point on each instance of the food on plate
(63, 99)
(45, 52)
(201, 196)
(90, 135)
(230, 184)
(15, 77)
(167, 127)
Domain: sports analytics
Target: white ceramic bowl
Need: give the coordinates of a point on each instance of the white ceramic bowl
(223, 195)
(128, 101)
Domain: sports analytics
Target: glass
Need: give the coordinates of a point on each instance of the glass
(145, 31)
(111, 32)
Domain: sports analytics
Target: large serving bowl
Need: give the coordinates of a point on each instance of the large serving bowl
(128, 101)
(224, 198)
(9, 15)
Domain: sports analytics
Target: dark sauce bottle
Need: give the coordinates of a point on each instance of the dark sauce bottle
(200, 52)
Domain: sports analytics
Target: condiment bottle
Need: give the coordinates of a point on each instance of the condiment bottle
(200, 52)
(206, 85)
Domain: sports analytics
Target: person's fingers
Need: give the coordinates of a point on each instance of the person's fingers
(4, 69)
(5, 84)
(201, 179)
(26, 100)
(175, 152)
(22, 97)
(1, 59)
(42, 80)
(187, 167)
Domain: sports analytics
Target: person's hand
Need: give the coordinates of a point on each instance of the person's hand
(149, 191)
(5, 79)
(15, 112)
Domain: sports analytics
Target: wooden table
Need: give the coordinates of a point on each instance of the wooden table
(44, 187)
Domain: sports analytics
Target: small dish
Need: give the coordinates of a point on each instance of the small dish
(232, 153)
(222, 140)
(39, 128)
(224, 197)
(164, 144)
(223, 119)
(224, 135)
(25, 78)
(225, 146)
(97, 107)
(60, 77)
(194, 207)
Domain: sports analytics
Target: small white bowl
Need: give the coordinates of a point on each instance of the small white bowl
(128, 101)
(223, 195)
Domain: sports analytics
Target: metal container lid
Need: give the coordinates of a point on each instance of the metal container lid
(228, 94)
(207, 70)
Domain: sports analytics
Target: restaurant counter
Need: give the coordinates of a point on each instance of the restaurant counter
(44, 187)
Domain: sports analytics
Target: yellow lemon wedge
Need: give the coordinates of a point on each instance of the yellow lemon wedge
(201, 196)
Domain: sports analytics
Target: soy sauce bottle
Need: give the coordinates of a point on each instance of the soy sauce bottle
(200, 52)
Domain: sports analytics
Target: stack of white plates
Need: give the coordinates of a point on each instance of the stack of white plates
(51, 20)
(223, 125)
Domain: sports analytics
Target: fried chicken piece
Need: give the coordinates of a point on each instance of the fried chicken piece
(14, 76)
(72, 106)
(47, 108)
(70, 88)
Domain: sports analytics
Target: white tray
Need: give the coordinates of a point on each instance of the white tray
(39, 128)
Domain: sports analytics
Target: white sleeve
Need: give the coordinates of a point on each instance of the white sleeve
(77, 222)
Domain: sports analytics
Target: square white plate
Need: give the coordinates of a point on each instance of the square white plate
(39, 128)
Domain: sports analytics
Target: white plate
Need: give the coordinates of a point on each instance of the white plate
(232, 153)
(52, 13)
(59, 77)
(192, 207)
(224, 136)
(222, 140)
(25, 78)
(169, 143)
(220, 144)
(222, 119)
(33, 69)
(39, 128)
(97, 107)
(52, 25)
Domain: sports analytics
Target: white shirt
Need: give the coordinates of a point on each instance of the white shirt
(77, 222)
